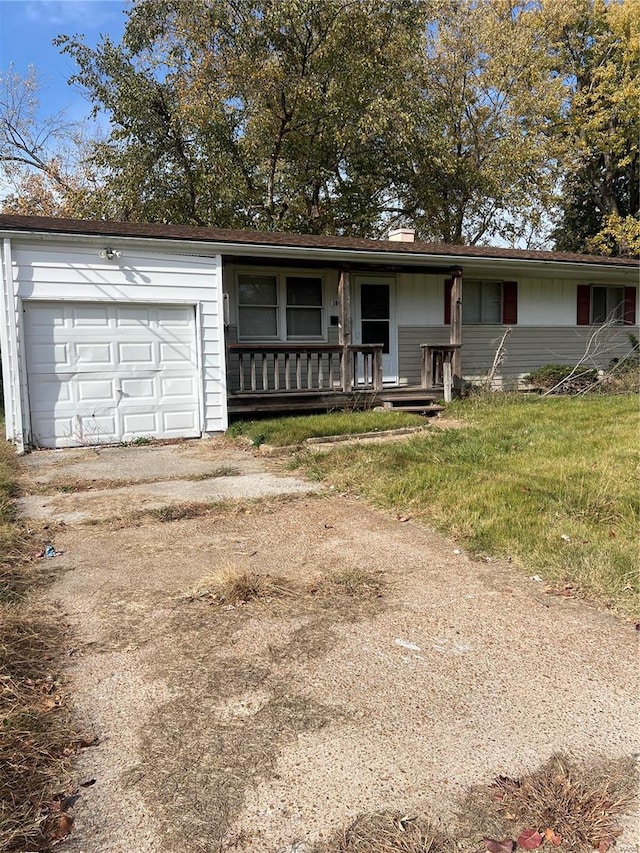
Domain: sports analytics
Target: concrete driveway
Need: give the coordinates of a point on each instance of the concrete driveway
(265, 726)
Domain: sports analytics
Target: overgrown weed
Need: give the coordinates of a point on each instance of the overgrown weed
(231, 585)
(35, 732)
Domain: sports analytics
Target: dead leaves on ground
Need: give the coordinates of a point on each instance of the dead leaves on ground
(561, 805)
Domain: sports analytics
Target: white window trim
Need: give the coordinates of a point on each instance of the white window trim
(281, 276)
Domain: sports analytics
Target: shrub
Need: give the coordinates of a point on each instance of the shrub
(563, 378)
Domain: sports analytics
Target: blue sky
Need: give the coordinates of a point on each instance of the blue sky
(27, 28)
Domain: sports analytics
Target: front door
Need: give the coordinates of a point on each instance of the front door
(375, 320)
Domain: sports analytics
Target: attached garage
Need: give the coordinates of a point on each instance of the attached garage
(99, 372)
(105, 342)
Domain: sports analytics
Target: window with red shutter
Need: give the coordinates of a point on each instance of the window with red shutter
(597, 304)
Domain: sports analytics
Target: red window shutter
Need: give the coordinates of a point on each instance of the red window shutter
(584, 305)
(448, 287)
(510, 303)
(629, 316)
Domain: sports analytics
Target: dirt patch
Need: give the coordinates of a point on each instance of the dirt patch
(393, 674)
(255, 725)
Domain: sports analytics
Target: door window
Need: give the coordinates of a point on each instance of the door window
(375, 313)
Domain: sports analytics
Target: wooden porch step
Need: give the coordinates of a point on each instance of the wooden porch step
(418, 403)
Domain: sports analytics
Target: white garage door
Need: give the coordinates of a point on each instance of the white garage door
(102, 373)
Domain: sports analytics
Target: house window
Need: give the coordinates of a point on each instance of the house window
(598, 304)
(280, 307)
(491, 302)
(607, 304)
(482, 302)
(258, 306)
(304, 307)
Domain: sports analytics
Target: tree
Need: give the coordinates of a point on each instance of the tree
(41, 157)
(275, 114)
(484, 164)
(599, 56)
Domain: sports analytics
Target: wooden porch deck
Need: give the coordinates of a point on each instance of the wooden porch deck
(272, 378)
(398, 397)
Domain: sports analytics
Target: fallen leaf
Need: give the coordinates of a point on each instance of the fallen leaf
(605, 844)
(62, 827)
(529, 839)
(404, 518)
(551, 836)
(504, 846)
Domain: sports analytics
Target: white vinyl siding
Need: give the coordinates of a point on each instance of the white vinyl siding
(73, 273)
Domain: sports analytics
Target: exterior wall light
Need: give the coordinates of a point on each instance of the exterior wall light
(109, 254)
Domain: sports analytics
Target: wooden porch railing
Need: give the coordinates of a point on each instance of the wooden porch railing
(278, 368)
(437, 367)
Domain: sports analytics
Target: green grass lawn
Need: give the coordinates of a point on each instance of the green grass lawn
(282, 432)
(549, 482)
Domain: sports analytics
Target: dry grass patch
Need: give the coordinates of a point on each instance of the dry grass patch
(35, 732)
(574, 807)
(71, 485)
(356, 583)
(233, 585)
(387, 832)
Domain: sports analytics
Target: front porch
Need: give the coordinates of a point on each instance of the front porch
(284, 377)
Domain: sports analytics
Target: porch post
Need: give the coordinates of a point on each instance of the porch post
(455, 336)
(344, 329)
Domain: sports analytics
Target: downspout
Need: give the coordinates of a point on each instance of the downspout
(9, 351)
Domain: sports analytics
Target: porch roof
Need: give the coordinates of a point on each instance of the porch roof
(232, 242)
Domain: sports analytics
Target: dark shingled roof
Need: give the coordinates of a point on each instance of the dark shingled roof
(161, 231)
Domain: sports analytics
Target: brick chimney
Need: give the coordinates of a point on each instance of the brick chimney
(403, 235)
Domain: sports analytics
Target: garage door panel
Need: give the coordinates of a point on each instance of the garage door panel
(43, 355)
(136, 315)
(47, 392)
(95, 355)
(175, 317)
(176, 353)
(92, 316)
(96, 391)
(174, 422)
(136, 354)
(140, 423)
(138, 389)
(107, 372)
(177, 386)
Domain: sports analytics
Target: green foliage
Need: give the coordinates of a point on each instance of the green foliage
(569, 378)
(536, 480)
(326, 116)
(599, 55)
(254, 114)
(460, 119)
